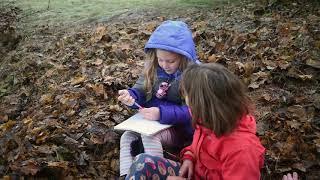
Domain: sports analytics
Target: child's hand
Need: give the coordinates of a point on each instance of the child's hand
(152, 113)
(290, 177)
(186, 169)
(175, 178)
(125, 97)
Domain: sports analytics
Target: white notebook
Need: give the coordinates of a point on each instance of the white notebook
(140, 125)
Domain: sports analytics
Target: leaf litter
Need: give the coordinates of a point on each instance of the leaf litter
(58, 90)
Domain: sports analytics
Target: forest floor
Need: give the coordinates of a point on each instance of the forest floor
(59, 79)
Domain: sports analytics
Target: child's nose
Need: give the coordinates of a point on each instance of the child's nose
(165, 65)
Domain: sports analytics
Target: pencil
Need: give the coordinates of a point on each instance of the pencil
(140, 107)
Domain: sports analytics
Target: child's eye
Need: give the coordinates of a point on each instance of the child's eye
(168, 61)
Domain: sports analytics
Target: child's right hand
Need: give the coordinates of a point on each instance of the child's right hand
(186, 169)
(125, 97)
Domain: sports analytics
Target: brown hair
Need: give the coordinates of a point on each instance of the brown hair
(216, 96)
(150, 70)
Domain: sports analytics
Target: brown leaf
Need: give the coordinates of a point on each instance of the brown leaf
(270, 65)
(27, 121)
(99, 33)
(118, 118)
(313, 63)
(212, 58)
(125, 46)
(316, 98)
(97, 62)
(82, 53)
(111, 136)
(115, 108)
(98, 89)
(283, 64)
(317, 143)
(258, 79)
(42, 137)
(46, 99)
(78, 80)
(27, 167)
(297, 74)
(298, 112)
(202, 55)
(7, 126)
(97, 138)
(288, 148)
(294, 124)
(299, 166)
(3, 118)
(248, 68)
(284, 29)
(59, 164)
(283, 169)
(151, 26)
(266, 97)
(45, 149)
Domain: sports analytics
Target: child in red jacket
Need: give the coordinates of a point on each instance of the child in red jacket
(224, 144)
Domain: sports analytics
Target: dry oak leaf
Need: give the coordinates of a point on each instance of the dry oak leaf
(98, 34)
(258, 79)
(7, 126)
(26, 167)
(78, 80)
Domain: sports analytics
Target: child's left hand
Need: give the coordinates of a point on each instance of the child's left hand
(152, 113)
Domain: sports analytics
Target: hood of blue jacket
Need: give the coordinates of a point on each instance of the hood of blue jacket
(174, 36)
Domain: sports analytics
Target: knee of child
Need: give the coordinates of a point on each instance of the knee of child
(128, 136)
(157, 138)
(141, 156)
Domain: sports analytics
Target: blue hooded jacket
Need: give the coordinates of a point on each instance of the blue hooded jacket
(173, 36)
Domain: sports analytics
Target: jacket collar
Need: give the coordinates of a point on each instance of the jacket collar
(162, 74)
(246, 124)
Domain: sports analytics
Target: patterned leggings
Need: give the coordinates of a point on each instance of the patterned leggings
(152, 145)
(146, 166)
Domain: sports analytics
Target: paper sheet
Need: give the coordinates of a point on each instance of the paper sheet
(140, 125)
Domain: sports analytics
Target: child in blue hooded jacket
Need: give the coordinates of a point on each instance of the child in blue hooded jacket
(169, 50)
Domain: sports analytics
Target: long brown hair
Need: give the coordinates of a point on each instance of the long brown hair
(216, 96)
(150, 70)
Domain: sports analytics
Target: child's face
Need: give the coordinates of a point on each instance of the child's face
(168, 61)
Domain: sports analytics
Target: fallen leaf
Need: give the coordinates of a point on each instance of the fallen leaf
(46, 99)
(313, 63)
(59, 164)
(82, 53)
(29, 167)
(98, 62)
(293, 124)
(266, 97)
(7, 126)
(212, 58)
(99, 33)
(78, 80)
(299, 166)
(258, 79)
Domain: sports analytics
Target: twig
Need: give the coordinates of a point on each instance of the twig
(48, 5)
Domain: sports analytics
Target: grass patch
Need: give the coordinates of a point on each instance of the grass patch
(55, 12)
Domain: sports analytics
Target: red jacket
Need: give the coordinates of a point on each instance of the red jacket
(236, 156)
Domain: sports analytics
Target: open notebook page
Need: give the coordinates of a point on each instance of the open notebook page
(140, 125)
